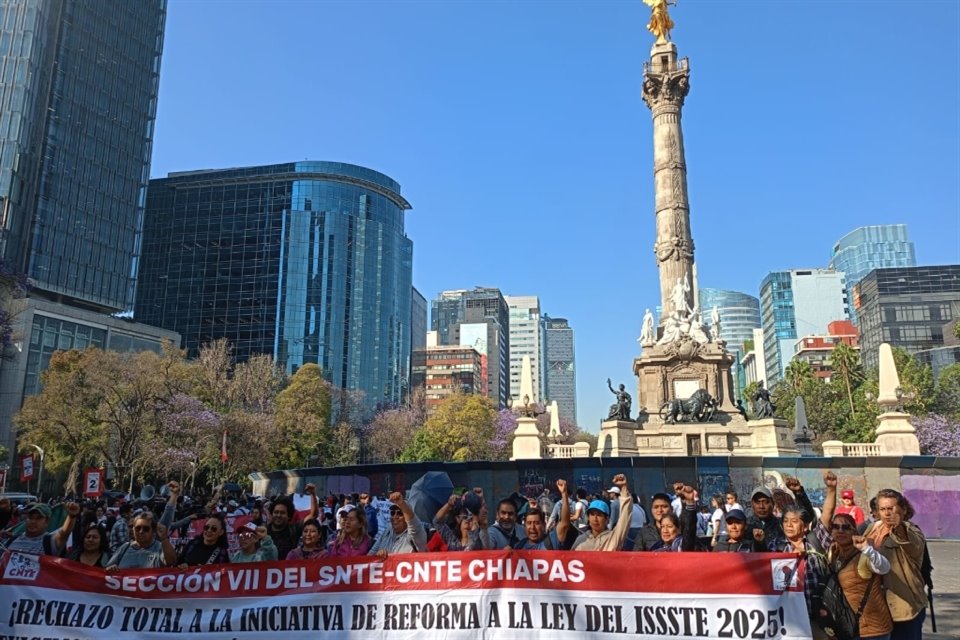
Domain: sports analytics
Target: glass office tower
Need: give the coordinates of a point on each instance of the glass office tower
(306, 261)
(867, 248)
(78, 97)
(739, 316)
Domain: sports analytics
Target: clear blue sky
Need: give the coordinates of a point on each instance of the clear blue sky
(517, 132)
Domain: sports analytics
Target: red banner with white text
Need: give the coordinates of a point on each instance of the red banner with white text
(495, 595)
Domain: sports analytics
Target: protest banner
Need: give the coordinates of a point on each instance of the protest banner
(491, 594)
(92, 482)
(26, 467)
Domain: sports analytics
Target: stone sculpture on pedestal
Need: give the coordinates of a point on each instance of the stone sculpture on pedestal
(620, 410)
(647, 335)
(762, 406)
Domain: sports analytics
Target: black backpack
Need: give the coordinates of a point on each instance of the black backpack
(833, 613)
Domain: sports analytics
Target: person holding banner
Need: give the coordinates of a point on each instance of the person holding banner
(352, 539)
(286, 534)
(93, 551)
(406, 533)
(738, 540)
(311, 542)
(210, 547)
(255, 545)
(599, 537)
(680, 534)
(149, 549)
(471, 534)
(649, 534)
(35, 538)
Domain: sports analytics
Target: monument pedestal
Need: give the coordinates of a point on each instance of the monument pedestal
(617, 438)
(772, 437)
(678, 369)
(526, 440)
(896, 436)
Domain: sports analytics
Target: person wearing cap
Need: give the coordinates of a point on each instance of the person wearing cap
(737, 537)
(255, 545)
(35, 538)
(613, 499)
(406, 533)
(598, 537)
(762, 523)
(848, 506)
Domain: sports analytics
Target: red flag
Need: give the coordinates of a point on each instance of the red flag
(223, 448)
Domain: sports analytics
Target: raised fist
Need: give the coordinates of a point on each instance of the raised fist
(72, 508)
(830, 480)
(310, 489)
(620, 480)
(793, 484)
(562, 486)
(396, 498)
(174, 487)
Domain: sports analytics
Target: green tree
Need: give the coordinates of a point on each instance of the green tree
(948, 392)
(915, 378)
(461, 428)
(845, 362)
(62, 418)
(798, 375)
(302, 419)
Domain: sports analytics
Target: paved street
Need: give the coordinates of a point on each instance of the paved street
(946, 595)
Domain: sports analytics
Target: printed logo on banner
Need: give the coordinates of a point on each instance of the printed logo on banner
(783, 569)
(22, 566)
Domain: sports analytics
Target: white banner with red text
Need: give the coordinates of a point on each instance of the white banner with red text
(493, 594)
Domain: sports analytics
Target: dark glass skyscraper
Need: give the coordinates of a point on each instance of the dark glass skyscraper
(559, 366)
(78, 97)
(306, 261)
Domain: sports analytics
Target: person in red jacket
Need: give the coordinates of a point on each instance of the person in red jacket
(849, 507)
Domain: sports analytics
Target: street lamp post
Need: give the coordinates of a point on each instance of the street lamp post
(39, 472)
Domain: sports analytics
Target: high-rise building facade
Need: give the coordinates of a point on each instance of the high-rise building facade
(907, 307)
(418, 321)
(478, 318)
(867, 248)
(78, 98)
(306, 261)
(739, 316)
(78, 101)
(799, 301)
(525, 340)
(559, 366)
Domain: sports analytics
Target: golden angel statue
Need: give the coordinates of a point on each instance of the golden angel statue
(660, 22)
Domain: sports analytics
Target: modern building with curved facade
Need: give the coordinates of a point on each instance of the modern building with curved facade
(739, 316)
(306, 261)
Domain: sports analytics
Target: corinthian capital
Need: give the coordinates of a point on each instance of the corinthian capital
(666, 88)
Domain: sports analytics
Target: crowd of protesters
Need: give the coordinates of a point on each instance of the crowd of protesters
(878, 558)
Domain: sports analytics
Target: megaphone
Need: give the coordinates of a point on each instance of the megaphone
(147, 493)
(165, 491)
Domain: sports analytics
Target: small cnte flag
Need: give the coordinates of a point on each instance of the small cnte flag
(223, 448)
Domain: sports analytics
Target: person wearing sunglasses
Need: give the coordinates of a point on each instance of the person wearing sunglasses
(856, 563)
(406, 533)
(256, 545)
(149, 549)
(210, 547)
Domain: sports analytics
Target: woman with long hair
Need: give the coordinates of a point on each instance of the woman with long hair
(311, 542)
(460, 529)
(93, 550)
(858, 567)
(210, 547)
(902, 543)
(352, 539)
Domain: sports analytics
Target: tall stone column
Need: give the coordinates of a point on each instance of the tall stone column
(666, 82)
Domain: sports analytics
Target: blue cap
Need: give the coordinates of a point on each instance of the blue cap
(736, 514)
(599, 505)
